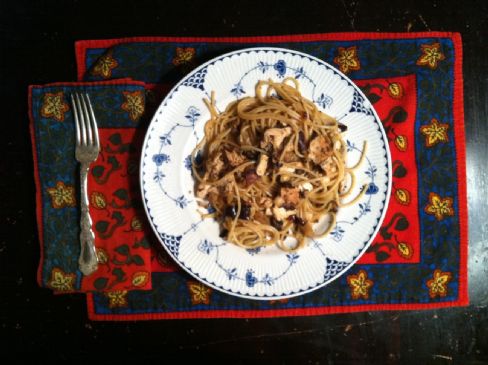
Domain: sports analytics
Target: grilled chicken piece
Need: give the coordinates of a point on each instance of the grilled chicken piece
(289, 154)
(262, 165)
(282, 214)
(305, 186)
(226, 190)
(329, 165)
(290, 195)
(275, 137)
(216, 166)
(265, 202)
(234, 158)
(319, 150)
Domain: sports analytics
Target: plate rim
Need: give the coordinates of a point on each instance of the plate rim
(380, 219)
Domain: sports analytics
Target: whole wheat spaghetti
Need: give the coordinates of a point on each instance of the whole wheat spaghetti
(272, 166)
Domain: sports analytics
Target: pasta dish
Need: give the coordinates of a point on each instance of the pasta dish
(271, 169)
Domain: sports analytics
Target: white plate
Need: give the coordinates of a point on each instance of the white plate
(167, 184)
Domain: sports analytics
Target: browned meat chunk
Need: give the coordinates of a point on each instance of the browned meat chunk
(250, 176)
(291, 196)
(319, 150)
(216, 166)
(234, 158)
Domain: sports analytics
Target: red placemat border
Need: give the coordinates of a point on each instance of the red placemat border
(262, 313)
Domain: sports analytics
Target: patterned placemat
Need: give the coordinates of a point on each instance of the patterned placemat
(418, 259)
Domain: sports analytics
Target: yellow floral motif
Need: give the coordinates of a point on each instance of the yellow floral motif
(183, 56)
(134, 104)
(102, 256)
(62, 195)
(61, 281)
(98, 200)
(136, 224)
(434, 132)
(401, 143)
(348, 59)
(117, 299)
(140, 278)
(104, 66)
(440, 207)
(431, 55)
(199, 293)
(54, 106)
(360, 285)
(395, 90)
(402, 196)
(438, 284)
(405, 250)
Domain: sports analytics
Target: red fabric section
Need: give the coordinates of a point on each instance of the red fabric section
(460, 141)
(160, 260)
(119, 223)
(395, 101)
(38, 189)
(294, 312)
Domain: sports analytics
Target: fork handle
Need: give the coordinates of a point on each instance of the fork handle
(88, 261)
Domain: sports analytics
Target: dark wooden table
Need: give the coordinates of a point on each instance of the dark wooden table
(36, 40)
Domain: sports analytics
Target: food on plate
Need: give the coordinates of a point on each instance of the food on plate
(271, 169)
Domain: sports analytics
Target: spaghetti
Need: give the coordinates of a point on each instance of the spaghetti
(271, 167)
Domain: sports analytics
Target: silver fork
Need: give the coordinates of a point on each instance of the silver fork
(87, 149)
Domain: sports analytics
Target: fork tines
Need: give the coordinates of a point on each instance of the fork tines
(85, 122)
